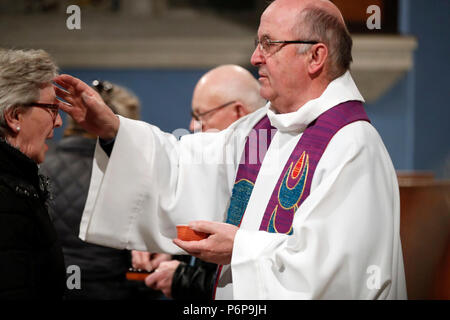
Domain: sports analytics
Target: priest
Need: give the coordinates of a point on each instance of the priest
(300, 198)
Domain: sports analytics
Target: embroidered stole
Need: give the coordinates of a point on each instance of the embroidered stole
(294, 183)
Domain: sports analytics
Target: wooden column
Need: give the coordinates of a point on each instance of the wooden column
(425, 235)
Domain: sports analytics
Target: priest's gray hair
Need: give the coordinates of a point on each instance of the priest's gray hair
(317, 24)
(22, 75)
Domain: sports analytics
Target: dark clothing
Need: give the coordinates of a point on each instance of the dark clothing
(103, 269)
(31, 259)
(194, 282)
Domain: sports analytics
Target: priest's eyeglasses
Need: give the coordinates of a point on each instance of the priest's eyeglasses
(268, 46)
(197, 116)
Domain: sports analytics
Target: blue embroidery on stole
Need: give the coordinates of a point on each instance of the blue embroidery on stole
(240, 196)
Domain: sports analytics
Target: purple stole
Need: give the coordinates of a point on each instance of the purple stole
(294, 183)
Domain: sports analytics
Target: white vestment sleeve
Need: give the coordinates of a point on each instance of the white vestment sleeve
(346, 241)
(152, 181)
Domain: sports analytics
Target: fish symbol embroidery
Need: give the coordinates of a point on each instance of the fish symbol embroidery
(293, 184)
(272, 225)
(289, 194)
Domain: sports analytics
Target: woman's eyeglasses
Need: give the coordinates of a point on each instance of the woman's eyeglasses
(53, 108)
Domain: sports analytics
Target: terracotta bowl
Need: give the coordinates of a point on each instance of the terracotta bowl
(187, 234)
(137, 275)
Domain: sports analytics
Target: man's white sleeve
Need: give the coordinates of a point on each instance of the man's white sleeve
(134, 202)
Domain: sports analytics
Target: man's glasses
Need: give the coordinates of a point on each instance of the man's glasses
(53, 108)
(268, 46)
(197, 116)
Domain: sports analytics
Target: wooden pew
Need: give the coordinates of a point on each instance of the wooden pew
(425, 234)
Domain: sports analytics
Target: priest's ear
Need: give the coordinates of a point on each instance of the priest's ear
(317, 56)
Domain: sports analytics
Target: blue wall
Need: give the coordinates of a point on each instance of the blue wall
(430, 85)
(165, 95)
(389, 116)
(412, 117)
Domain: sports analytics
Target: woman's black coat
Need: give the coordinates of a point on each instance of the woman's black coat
(31, 259)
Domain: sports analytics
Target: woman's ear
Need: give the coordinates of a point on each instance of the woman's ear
(12, 118)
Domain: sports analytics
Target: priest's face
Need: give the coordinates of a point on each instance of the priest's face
(282, 70)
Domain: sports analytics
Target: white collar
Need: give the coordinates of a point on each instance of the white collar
(338, 91)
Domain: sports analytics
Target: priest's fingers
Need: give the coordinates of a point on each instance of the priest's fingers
(71, 84)
(62, 94)
(208, 249)
(58, 83)
(191, 247)
(64, 106)
(74, 89)
(208, 226)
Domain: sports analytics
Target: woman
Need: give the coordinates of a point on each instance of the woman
(31, 260)
(69, 166)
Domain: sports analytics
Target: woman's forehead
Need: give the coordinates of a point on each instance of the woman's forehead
(47, 91)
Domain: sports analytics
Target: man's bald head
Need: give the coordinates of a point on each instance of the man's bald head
(221, 85)
(231, 82)
(297, 6)
(322, 21)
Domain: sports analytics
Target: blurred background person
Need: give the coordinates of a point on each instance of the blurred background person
(69, 166)
(31, 259)
(221, 96)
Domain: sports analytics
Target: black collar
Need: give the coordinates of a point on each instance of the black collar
(13, 162)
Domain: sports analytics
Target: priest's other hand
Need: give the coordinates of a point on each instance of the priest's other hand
(217, 248)
(86, 107)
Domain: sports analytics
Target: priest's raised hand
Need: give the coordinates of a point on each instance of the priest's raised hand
(86, 107)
